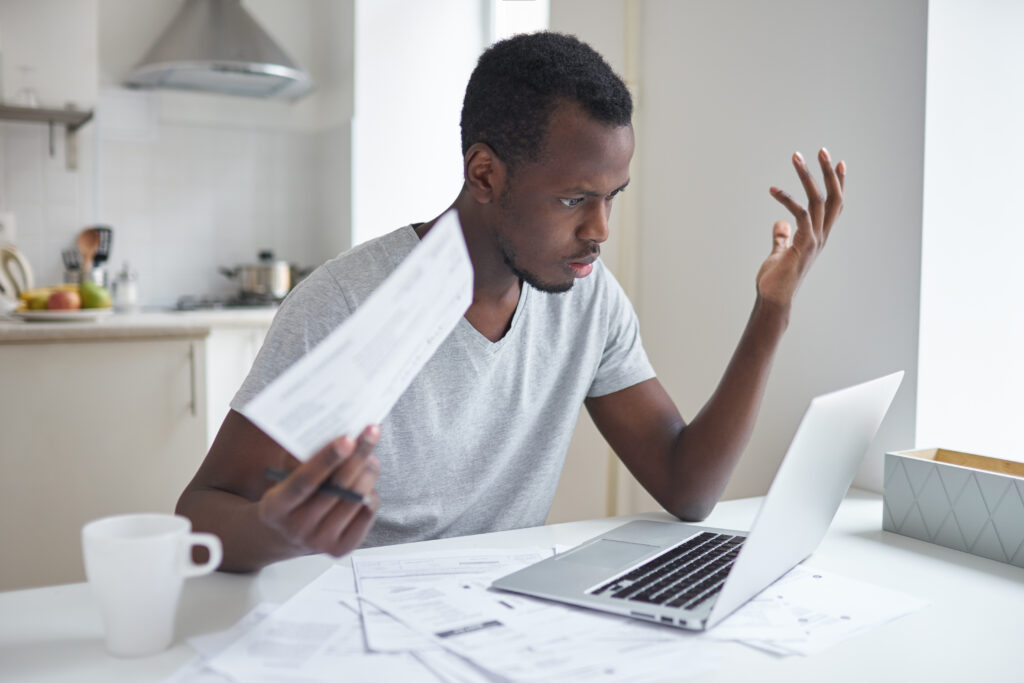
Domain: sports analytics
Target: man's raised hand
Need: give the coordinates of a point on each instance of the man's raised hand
(792, 255)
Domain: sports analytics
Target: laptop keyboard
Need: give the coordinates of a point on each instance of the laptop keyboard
(685, 576)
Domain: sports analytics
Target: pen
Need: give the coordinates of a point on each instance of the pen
(327, 487)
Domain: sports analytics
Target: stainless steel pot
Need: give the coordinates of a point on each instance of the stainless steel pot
(269, 278)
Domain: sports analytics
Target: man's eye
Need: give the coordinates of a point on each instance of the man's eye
(571, 201)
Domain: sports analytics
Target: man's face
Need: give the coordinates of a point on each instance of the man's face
(553, 213)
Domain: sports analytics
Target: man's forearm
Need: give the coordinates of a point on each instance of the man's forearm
(249, 544)
(707, 450)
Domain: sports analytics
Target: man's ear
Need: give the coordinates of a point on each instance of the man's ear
(485, 173)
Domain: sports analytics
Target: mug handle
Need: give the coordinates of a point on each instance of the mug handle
(211, 543)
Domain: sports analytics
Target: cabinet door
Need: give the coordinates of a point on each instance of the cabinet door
(89, 429)
(230, 352)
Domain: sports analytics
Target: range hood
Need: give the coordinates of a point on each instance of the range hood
(217, 46)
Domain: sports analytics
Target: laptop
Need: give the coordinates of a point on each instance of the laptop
(692, 577)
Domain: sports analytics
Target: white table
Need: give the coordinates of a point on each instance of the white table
(973, 631)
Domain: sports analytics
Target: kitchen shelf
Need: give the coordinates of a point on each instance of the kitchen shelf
(72, 119)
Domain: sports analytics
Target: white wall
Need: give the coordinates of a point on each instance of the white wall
(972, 316)
(726, 91)
(406, 149)
(57, 40)
(730, 90)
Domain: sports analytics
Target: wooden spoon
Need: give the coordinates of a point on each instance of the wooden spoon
(88, 244)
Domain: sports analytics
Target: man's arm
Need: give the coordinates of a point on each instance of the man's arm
(687, 466)
(260, 522)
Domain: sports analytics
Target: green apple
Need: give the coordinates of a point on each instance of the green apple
(94, 295)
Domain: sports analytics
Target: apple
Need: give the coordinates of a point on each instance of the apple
(94, 295)
(63, 300)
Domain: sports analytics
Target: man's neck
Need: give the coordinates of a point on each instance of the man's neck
(496, 288)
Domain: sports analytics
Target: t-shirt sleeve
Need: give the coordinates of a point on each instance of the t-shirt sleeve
(624, 361)
(311, 311)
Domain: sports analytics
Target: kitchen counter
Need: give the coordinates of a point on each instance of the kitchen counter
(124, 408)
(128, 326)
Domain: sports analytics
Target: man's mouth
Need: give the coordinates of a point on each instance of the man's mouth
(582, 267)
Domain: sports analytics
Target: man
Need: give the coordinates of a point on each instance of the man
(477, 441)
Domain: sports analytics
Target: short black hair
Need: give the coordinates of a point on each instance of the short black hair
(517, 84)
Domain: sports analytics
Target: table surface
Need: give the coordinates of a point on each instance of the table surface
(971, 631)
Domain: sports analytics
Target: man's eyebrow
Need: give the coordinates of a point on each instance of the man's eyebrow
(591, 193)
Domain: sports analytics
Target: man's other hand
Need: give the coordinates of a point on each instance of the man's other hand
(781, 273)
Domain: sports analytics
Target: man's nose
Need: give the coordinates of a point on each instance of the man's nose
(595, 223)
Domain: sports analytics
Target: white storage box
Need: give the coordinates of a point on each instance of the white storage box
(967, 502)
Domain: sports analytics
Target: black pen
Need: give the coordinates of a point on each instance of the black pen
(327, 487)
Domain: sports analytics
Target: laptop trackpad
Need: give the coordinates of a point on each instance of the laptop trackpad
(608, 554)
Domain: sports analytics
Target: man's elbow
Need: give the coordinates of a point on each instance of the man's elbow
(692, 510)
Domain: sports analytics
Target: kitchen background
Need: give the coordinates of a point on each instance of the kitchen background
(193, 181)
(921, 275)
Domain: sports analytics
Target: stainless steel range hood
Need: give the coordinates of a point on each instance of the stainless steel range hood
(217, 46)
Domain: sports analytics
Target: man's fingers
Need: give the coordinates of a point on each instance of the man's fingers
(350, 470)
(355, 531)
(815, 203)
(829, 174)
(305, 479)
(800, 213)
(834, 202)
(335, 530)
(782, 235)
(841, 172)
(367, 441)
(293, 502)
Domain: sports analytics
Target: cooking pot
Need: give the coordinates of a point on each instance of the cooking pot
(269, 278)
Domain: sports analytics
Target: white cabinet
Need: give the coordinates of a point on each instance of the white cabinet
(103, 418)
(92, 428)
(230, 352)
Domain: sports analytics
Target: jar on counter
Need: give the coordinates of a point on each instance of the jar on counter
(126, 290)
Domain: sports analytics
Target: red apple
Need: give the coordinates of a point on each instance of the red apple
(63, 300)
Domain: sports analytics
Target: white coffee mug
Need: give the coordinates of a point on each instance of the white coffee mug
(136, 565)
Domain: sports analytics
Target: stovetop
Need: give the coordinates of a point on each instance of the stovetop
(202, 302)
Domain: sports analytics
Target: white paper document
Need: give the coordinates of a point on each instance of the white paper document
(448, 600)
(379, 576)
(209, 645)
(315, 636)
(353, 377)
(433, 617)
(809, 610)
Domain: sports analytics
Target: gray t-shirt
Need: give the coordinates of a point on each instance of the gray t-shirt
(477, 441)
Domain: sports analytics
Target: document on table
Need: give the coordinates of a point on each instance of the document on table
(378, 576)
(809, 610)
(315, 636)
(354, 376)
(514, 637)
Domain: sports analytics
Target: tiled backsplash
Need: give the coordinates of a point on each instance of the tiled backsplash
(182, 199)
(49, 203)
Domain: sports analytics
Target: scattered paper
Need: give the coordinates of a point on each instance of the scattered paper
(434, 618)
(809, 610)
(209, 645)
(448, 599)
(354, 376)
(313, 637)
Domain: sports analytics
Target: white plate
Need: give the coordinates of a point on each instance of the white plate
(80, 315)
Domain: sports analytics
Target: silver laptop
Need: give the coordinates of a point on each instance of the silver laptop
(692, 577)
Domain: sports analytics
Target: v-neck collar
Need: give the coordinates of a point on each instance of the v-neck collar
(467, 328)
(481, 340)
